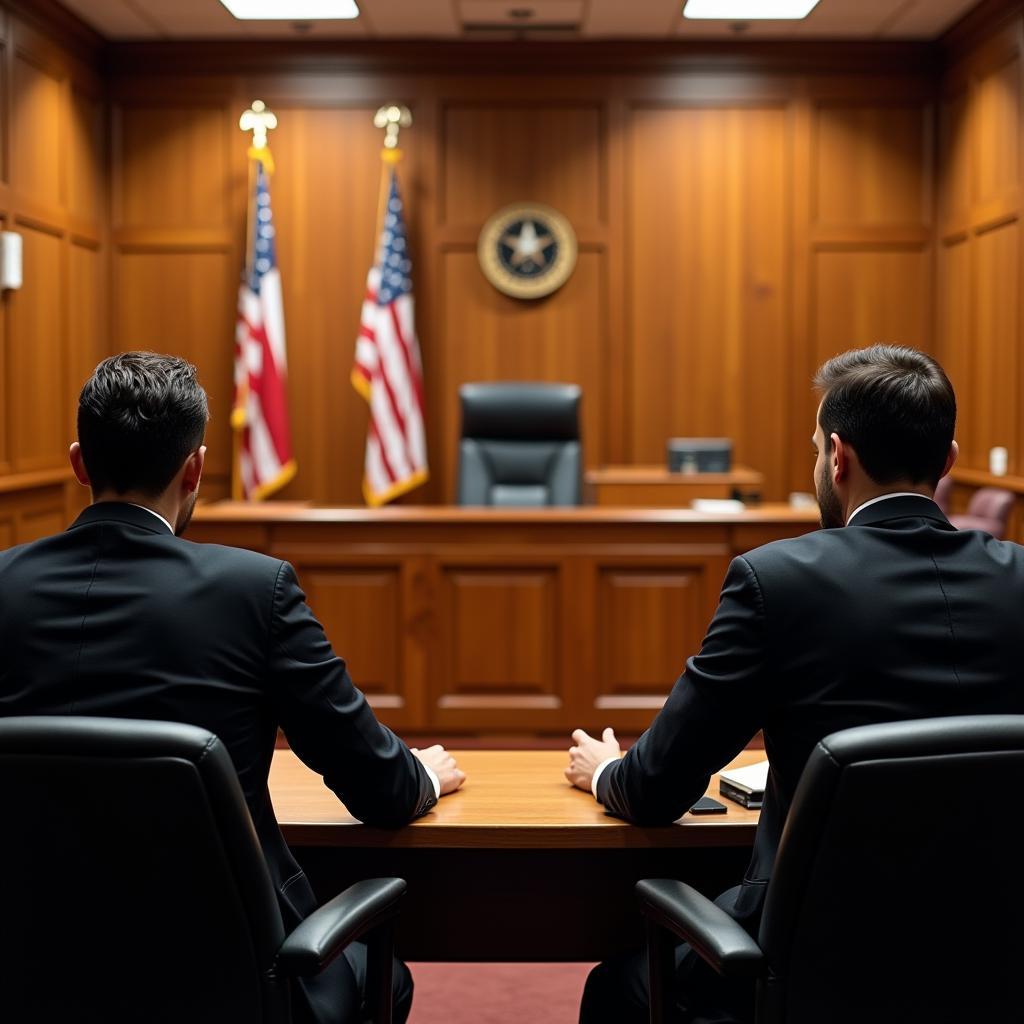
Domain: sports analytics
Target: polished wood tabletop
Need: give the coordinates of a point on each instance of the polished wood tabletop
(305, 513)
(514, 799)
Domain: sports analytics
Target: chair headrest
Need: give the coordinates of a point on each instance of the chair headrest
(520, 411)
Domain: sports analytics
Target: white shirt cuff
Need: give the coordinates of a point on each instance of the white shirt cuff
(435, 782)
(597, 774)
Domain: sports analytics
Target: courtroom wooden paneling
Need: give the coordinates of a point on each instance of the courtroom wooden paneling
(36, 363)
(871, 164)
(689, 309)
(558, 158)
(708, 281)
(52, 157)
(362, 608)
(38, 164)
(184, 302)
(651, 616)
(326, 192)
(980, 266)
(507, 621)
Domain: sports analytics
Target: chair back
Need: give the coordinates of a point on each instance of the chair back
(520, 445)
(132, 885)
(894, 895)
(989, 510)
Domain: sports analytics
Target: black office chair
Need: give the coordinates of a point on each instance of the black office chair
(132, 886)
(895, 895)
(520, 445)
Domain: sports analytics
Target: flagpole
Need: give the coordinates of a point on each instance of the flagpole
(258, 120)
(392, 119)
(238, 413)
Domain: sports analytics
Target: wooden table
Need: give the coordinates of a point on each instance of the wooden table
(517, 865)
(657, 487)
(488, 620)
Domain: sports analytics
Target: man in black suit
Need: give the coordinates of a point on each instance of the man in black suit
(887, 613)
(119, 617)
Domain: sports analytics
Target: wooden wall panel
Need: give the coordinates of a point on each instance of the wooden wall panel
(956, 334)
(707, 280)
(861, 298)
(954, 167)
(87, 334)
(558, 158)
(997, 154)
(978, 300)
(38, 158)
(52, 152)
(88, 177)
(992, 417)
(651, 621)
(361, 614)
(171, 166)
(184, 303)
(325, 194)
(871, 164)
(36, 364)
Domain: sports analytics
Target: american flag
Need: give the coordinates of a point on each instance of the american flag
(387, 371)
(264, 461)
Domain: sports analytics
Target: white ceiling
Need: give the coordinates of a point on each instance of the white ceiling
(593, 19)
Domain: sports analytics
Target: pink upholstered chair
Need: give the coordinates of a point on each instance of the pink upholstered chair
(988, 510)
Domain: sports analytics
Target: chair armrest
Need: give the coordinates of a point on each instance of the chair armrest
(710, 931)
(329, 929)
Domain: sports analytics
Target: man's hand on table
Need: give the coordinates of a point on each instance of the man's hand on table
(588, 755)
(443, 765)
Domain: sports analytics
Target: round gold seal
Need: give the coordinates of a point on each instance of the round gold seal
(527, 250)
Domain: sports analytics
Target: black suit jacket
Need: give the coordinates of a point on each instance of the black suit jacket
(895, 616)
(118, 617)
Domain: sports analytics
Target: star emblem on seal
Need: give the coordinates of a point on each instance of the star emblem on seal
(527, 250)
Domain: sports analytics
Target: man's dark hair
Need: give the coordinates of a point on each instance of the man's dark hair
(894, 406)
(140, 415)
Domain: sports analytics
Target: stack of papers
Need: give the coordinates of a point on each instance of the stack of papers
(744, 785)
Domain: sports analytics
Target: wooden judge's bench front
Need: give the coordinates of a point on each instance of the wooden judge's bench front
(459, 620)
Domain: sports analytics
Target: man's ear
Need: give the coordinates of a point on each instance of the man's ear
(78, 464)
(954, 451)
(193, 470)
(839, 462)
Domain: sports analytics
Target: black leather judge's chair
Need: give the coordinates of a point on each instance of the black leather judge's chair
(520, 445)
(132, 887)
(895, 895)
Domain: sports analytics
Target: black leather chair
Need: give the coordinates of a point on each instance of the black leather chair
(520, 445)
(132, 886)
(895, 896)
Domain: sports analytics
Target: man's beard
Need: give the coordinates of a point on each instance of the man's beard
(832, 517)
(185, 515)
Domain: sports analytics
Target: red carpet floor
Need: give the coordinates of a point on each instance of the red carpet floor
(497, 993)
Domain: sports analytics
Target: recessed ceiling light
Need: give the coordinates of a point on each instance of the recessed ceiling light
(749, 10)
(292, 10)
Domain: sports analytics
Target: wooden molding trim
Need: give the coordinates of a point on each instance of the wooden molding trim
(33, 481)
(518, 58)
(982, 478)
(981, 21)
(60, 24)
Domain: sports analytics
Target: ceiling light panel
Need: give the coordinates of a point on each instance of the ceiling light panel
(748, 10)
(292, 10)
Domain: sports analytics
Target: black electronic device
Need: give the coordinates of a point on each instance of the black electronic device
(708, 805)
(699, 454)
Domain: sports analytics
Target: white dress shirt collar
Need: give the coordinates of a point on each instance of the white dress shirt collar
(885, 497)
(152, 513)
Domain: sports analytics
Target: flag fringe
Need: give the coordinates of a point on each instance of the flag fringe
(396, 490)
(284, 477)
